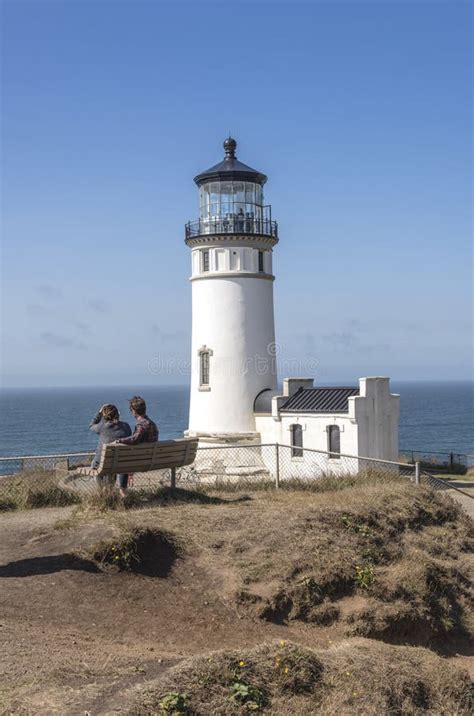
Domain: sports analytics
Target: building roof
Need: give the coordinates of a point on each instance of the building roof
(319, 400)
(230, 168)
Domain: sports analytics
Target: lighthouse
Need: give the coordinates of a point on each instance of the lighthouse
(233, 330)
(298, 430)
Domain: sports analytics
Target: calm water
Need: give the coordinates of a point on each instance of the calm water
(434, 416)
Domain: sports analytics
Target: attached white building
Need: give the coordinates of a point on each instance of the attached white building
(359, 421)
(234, 396)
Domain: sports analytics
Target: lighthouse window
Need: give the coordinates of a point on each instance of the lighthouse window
(296, 432)
(250, 193)
(260, 262)
(204, 368)
(334, 441)
(205, 260)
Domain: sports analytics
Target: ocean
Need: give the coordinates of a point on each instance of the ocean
(435, 416)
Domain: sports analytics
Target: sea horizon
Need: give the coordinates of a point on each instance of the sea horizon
(435, 415)
(317, 383)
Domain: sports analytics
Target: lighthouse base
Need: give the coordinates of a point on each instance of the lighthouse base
(228, 458)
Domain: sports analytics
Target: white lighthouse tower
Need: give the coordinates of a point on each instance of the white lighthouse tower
(233, 334)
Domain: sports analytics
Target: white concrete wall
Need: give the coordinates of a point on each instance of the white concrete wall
(315, 437)
(377, 413)
(233, 317)
(230, 258)
(370, 429)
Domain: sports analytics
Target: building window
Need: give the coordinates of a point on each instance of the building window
(296, 432)
(205, 260)
(204, 354)
(260, 262)
(334, 441)
(204, 368)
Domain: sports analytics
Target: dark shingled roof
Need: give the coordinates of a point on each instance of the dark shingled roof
(230, 168)
(320, 400)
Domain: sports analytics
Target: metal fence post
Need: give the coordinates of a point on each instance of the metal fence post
(173, 478)
(277, 466)
(417, 473)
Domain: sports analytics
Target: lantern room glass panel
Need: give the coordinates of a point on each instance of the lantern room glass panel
(231, 206)
(204, 201)
(226, 199)
(215, 200)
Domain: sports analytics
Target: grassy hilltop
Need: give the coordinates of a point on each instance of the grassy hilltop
(353, 601)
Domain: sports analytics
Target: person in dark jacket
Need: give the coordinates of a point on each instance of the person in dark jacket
(146, 431)
(109, 429)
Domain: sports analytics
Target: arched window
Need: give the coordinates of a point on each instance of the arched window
(204, 354)
(334, 441)
(296, 432)
(204, 368)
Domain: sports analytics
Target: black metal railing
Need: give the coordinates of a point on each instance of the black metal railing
(231, 224)
(450, 462)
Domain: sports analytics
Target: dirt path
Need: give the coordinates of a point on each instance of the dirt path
(464, 500)
(73, 639)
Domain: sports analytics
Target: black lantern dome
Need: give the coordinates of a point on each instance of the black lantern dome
(230, 168)
(231, 201)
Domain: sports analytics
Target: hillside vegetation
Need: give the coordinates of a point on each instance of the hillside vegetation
(225, 603)
(356, 677)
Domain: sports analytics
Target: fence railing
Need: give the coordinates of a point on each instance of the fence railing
(454, 463)
(39, 480)
(36, 480)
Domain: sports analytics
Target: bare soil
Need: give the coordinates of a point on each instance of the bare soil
(79, 634)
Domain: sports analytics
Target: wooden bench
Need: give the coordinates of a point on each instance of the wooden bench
(144, 457)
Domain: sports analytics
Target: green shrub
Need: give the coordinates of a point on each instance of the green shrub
(250, 697)
(364, 575)
(173, 703)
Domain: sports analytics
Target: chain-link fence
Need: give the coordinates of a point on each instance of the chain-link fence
(35, 481)
(39, 480)
(277, 465)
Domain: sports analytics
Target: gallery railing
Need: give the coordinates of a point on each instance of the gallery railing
(231, 225)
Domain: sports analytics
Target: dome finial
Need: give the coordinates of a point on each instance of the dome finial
(230, 145)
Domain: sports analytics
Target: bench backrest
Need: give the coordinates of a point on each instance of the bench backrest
(144, 457)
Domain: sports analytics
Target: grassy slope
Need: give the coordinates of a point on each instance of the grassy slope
(356, 677)
(401, 551)
(386, 561)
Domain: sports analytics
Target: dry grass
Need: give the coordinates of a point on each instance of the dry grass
(357, 677)
(402, 549)
(321, 483)
(142, 551)
(34, 489)
(107, 499)
(426, 592)
(386, 561)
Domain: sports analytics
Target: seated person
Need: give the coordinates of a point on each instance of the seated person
(109, 428)
(146, 431)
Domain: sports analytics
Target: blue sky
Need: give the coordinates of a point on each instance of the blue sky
(359, 112)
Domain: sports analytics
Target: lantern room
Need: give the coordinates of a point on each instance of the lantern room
(231, 199)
